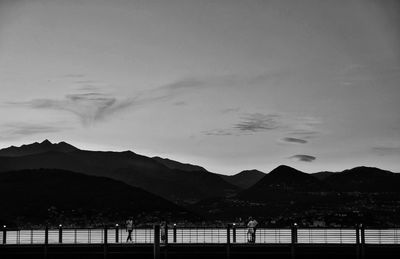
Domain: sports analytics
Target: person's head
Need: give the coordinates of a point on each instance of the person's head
(250, 218)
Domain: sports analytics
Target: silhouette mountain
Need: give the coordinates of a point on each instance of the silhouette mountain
(322, 175)
(37, 148)
(171, 164)
(364, 179)
(283, 181)
(362, 194)
(136, 170)
(59, 196)
(244, 179)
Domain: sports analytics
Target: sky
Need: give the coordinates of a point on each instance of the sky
(229, 85)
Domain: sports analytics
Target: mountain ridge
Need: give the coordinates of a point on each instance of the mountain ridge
(245, 178)
(36, 148)
(129, 167)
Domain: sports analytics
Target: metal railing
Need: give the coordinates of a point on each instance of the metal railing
(202, 235)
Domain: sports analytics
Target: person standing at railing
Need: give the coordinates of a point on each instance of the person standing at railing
(129, 228)
(163, 230)
(251, 230)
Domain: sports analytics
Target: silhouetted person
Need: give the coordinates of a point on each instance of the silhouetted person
(251, 230)
(129, 228)
(163, 230)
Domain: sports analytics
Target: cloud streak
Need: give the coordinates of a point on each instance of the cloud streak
(218, 132)
(92, 105)
(294, 140)
(303, 158)
(386, 150)
(299, 128)
(258, 122)
(89, 107)
(17, 130)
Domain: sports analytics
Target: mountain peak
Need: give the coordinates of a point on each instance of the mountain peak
(46, 142)
(365, 170)
(250, 171)
(284, 169)
(37, 148)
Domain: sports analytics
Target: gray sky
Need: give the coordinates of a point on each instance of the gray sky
(229, 85)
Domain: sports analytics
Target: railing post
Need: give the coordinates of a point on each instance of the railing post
(4, 234)
(294, 241)
(234, 233)
(156, 243)
(46, 242)
(105, 235)
(228, 234)
(174, 233)
(116, 233)
(357, 235)
(358, 241)
(362, 235)
(228, 241)
(294, 233)
(46, 235)
(105, 252)
(60, 230)
(166, 233)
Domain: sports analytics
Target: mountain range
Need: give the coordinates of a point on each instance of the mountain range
(166, 178)
(283, 191)
(361, 194)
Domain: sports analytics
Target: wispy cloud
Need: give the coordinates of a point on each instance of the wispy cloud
(218, 132)
(299, 128)
(89, 107)
(182, 84)
(387, 150)
(258, 122)
(170, 90)
(294, 140)
(303, 158)
(17, 130)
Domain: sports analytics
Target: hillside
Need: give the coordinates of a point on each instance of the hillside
(244, 179)
(59, 196)
(171, 164)
(136, 170)
(283, 180)
(364, 179)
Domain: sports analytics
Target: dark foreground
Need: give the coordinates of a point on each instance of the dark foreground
(194, 251)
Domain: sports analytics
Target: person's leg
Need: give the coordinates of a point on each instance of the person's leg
(129, 238)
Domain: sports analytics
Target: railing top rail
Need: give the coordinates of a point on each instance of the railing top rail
(195, 227)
